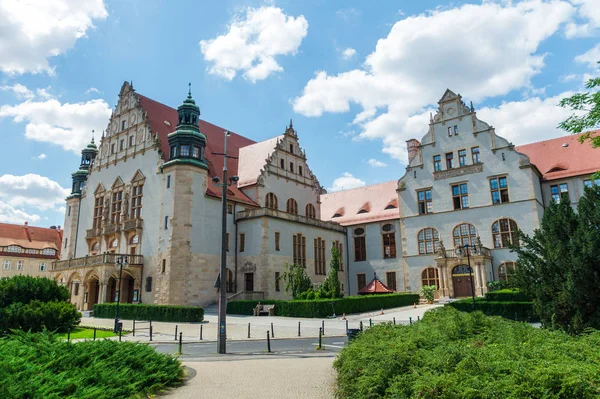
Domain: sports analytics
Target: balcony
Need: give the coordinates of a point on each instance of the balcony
(96, 260)
(111, 228)
(485, 252)
(91, 233)
(132, 224)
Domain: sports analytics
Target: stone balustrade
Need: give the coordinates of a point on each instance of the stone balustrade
(96, 260)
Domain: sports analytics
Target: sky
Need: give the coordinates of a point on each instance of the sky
(358, 78)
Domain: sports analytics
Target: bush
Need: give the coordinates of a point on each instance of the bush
(450, 354)
(513, 310)
(24, 289)
(42, 366)
(324, 308)
(150, 312)
(428, 292)
(38, 316)
(507, 295)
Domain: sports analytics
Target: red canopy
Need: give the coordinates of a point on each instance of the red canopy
(375, 287)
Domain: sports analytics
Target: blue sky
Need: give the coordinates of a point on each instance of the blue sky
(358, 78)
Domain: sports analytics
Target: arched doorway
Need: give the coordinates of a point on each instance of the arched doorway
(461, 281)
(229, 281)
(127, 288)
(92, 295)
(112, 289)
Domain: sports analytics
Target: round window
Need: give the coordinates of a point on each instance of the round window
(388, 227)
(359, 231)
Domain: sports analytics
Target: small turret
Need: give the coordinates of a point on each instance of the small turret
(88, 154)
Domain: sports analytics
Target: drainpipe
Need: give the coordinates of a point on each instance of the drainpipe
(236, 251)
(77, 229)
(347, 262)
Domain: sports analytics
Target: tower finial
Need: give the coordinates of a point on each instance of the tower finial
(92, 136)
(190, 90)
(291, 125)
(472, 109)
(430, 117)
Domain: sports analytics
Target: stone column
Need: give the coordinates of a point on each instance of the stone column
(483, 279)
(442, 286)
(103, 292)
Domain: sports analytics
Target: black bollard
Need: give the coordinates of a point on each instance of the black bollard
(200, 332)
(176, 332)
(120, 333)
(516, 318)
(346, 326)
(361, 326)
(248, 330)
(133, 331)
(268, 342)
(418, 318)
(320, 338)
(69, 334)
(370, 323)
(298, 328)
(410, 320)
(323, 326)
(272, 332)
(180, 339)
(394, 321)
(94, 333)
(150, 333)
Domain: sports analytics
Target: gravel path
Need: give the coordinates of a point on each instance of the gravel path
(281, 378)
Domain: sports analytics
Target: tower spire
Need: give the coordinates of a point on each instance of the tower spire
(92, 136)
(472, 108)
(190, 90)
(291, 125)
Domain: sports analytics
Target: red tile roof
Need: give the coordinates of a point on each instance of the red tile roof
(253, 158)
(373, 199)
(30, 237)
(375, 287)
(159, 113)
(555, 160)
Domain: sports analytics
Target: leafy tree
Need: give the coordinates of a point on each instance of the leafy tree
(296, 279)
(331, 286)
(559, 266)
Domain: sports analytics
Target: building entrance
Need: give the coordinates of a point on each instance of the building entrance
(461, 281)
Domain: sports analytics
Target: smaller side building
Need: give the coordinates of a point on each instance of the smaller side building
(28, 250)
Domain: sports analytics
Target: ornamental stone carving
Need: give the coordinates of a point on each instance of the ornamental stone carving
(465, 170)
(249, 267)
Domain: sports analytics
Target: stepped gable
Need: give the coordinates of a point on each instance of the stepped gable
(562, 157)
(158, 113)
(253, 158)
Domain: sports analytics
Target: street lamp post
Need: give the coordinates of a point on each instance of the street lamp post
(121, 261)
(459, 255)
(222, 329)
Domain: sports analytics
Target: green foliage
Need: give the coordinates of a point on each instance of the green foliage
(507, 295)
(428, 292)
(323, 307)
(35, 304)
(331, 286)
(150, 312)
(296, 280)
(450, 354)
(86, 332)
(40, 366)
(496, 285)
(514, 310)
(559, 266)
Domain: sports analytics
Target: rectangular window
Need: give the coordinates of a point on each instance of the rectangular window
(300, 170)
(390, 278)
(75, 289)
(230, 209)
(148, 284)
(276, 241)
(113, 148)
(6, 265)
(462, 157)
(456, 130)
(449, 160)
(499, 190)
(589, 183)
(460, 196)
(559, 191)
(131, 141)
(66, 240)
(361, 281)
(277, 281)
(425, 202)
(164, 266)
(42, 266)
(169, 181)
(389, 245)
(19, 265)
(227, 241)
(299, 252)
(185, 151)
(196, 152)
(137, 195)
(360, 249)
(475, 155)
(69, 211)
(122, 146)
(117, 199)
(98, 208)
(291, 148)
(166, 222)
(449, 131)
(437, 163)
(123, 125)
(340, 248)
(282, 164)
(292, 167)
(242, 242)
(319, 256)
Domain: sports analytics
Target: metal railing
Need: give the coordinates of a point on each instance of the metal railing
(96, 260)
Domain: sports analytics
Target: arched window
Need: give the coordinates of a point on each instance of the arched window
(114, 243)
(134, 240)
(310, 211)
(95, 248)
(506, 271)
(428, 241)
(430, 276)
(464, 233)
(271, 201)
(504, 232)
(292, 206)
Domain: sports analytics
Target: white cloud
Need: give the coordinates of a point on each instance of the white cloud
(66, 125)
(376, 164)
(43, 93)
(20, 90)
(347, 13)
(9, 214)
(92, 90)
(590, 57)
(33, 191)
(348, 53)
(346, 182)
(568, 78)
(409, 70)
(589, 13)
(31, 32)
(253, 41)
(40, 157)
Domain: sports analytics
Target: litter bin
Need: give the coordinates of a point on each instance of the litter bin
(352, 333)
(120, 326)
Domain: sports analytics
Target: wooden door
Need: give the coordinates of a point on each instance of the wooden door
(249, 281)
(462, 286)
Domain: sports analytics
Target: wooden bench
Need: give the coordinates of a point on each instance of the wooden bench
(265, 309)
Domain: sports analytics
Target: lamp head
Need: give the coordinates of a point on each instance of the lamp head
(227, 133)
(234, 179)
(216, 180)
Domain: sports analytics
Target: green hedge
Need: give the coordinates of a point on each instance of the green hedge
(37, 316)
(322, 307)
(522, 311)
(507, 295)
(150, 312)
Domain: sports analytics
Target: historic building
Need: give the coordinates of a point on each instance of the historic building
(28, 250)
(148, 192)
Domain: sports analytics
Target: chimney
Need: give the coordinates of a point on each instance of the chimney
(412, 146)
(58, 228)
(26, 224)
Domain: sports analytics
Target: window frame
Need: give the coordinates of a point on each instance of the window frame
(434, 240)
(271, 201)
(462, 157)
(437, 163)
(498, 237)
(310, 211)
(299, 249)
(242, 242)
(475, 155)
(360, 244)
(277, 241)
(426, 276)
(560, 193)
(388, 240)
(319, 256)
(391, 282)
(460, 195)
(6, 264)
(291, 206)
(116, 205)
(359, 277)
(449, 160)
(503, 196)
(425, 203)
(471, 235)
(508, 266)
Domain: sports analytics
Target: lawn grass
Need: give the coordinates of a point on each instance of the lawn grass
(84, 332)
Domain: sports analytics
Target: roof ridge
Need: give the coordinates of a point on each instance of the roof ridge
(365, 186)
(559, 137)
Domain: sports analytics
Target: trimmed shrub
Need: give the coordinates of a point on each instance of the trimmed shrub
(24, 289)
(37, 316)
(522, 311)
(323, 307)
(507, 295)
(150, 312)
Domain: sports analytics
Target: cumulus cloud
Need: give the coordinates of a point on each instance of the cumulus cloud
(92, 90)
(346, 182)
(40, 157)
(348, 53)
(588, 14)
(31, 32)
(495, 52)
(376, 164)
(32, 190)
(21, 91)
(252, 43)
(66, 125)
(9, 214)
(590, 57)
